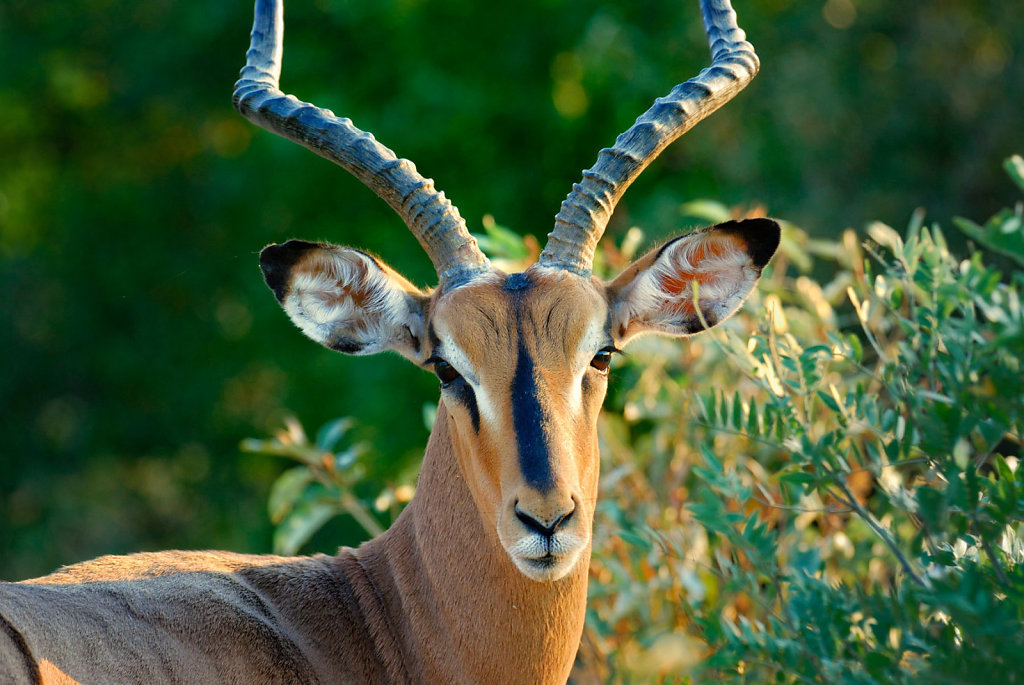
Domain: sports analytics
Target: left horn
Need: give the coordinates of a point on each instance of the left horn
(586, 211)
(430, 216)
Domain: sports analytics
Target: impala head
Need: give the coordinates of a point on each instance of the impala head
(522, 358)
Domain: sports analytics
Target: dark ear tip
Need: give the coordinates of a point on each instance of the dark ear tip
(276, 262)
(761, 235)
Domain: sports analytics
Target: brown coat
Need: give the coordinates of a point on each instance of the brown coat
(383, 613)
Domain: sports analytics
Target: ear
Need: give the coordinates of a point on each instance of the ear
(345, 299)
(657, 292)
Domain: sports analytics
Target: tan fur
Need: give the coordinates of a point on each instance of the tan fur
(552, 315)
(443, 596)
(409, 606)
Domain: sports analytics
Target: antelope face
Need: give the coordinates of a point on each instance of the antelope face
(522, 360)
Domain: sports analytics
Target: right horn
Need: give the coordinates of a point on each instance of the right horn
(586, 211)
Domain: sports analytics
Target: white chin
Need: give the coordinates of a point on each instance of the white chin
(545, 569)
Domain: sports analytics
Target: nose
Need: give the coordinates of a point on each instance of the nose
(545, 525)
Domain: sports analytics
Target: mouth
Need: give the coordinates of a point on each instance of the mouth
(544, 569)
(543, 563)
(550, 562)
(542, 554)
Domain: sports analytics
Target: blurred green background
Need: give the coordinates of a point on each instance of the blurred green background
(138, 342)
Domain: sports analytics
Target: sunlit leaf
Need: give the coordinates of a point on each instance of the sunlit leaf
(286, 491)
(300, 525)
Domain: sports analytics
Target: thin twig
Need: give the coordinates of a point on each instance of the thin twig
(850, 500)
(354, 507)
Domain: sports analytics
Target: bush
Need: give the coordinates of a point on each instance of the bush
(848, 512)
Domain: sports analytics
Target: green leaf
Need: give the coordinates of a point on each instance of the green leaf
(301, 524)
(753, 425)
(1003, 233)
(635, 539)
(797, 478)
(711, 459)
(814, 351)
(705, 210)
(429, 413)
(1015, 168)
(1003, 469)
(931, 507)
(877, 664)
(829, 401)
(856, 347)
(287, 489)
(331, 432)
(500, 242)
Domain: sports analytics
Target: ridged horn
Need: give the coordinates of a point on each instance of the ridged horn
(586, 211)
(430, 216)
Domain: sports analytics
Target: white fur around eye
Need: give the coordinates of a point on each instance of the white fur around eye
(451, 353)
(592, 342)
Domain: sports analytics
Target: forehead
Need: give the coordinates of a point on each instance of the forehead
(544, 309)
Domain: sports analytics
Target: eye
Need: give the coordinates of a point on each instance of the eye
(602, 360)
(445, 371)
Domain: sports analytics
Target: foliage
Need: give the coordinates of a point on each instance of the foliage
(846, 504)
(836, 497)
(1004, 232)
(325, 484)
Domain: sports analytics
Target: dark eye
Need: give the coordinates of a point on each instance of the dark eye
(445, 371)
(602, 360)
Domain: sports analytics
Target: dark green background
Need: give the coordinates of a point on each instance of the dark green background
(138, 343)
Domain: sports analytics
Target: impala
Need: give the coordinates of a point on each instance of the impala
(483, 578)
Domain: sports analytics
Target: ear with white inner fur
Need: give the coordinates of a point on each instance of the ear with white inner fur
(712, 271)
(345, 299)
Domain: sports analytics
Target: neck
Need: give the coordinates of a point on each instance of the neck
(468, 614)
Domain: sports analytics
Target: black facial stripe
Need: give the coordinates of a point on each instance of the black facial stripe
(460, 389)
(463, 392)
(528, 420)
(435, 342)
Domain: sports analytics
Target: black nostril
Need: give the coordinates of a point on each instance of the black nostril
(535, 525)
